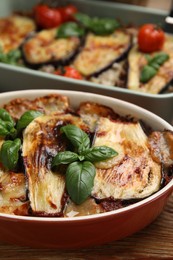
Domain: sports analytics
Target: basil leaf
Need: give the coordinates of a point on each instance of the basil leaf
(27, 118)
(99, 153)
(3, 128)
(70, 29)
(147, 73)
(103, 26)
(148, 57)
(6, 124)
(154, 64)
(64, 158)
(5, 116)
(158, 59)
(80, 180)
(99, 26)
(9, 153)
(78, 138)
(83, 19)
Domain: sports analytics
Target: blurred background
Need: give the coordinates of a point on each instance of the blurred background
(161, 4)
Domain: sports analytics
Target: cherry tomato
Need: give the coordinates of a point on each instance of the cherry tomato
(47, 17)
(67, 12)
(69, 72)
(150, 38)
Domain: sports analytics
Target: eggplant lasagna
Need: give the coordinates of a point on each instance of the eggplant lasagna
(98, 50)
(142, 166)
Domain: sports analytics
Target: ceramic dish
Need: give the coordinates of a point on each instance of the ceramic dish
(15, 78)
(74, 232)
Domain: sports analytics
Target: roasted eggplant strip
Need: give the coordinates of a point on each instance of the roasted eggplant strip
(47, 104)
(41, 142)
(130, 175)
(13, 31)
(161, 146)
(90, 112)
(101, 52)
(18, 106)
(53, 103)
(137, 60)
(45, 48)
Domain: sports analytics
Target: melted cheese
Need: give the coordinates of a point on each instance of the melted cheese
(88, 207)
(101, 51)
(45, 47)
(13, 31)
(131, 174)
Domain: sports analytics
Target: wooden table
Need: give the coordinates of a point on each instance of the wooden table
(152, 243)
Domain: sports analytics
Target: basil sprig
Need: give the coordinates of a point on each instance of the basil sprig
(70, 29)
(9, 153)
(99, 26)
(8, 129)
(81, 171)
(150, 70)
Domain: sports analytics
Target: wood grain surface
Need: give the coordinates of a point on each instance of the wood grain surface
(153, 242)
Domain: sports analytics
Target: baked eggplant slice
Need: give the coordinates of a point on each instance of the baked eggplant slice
(45, 48)
(161, 146)
(132, 174)
(137, 60)
(90, 112)
(13, 31)
(46, 104)
(41, 142)
(101, 52)
(53, 103)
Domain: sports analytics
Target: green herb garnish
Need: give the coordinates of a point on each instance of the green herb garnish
(103, 26)
(83, 19)
(150, 70)
(9, 153)
(81, 171)
(12, 57)
(6, 124)
(26, 119)
(70, 29)
(99, 26)
(8, 129)
(80, 180)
